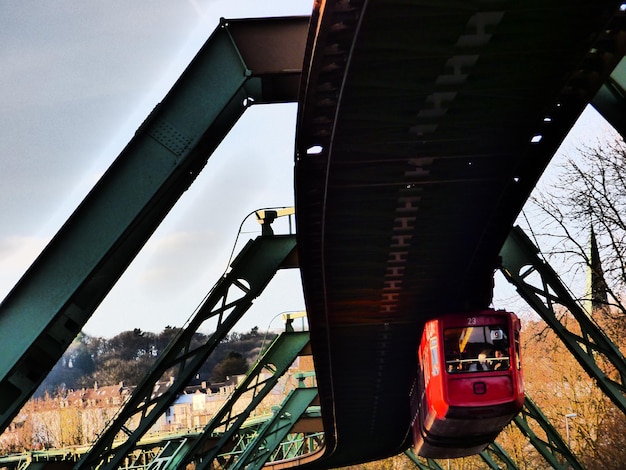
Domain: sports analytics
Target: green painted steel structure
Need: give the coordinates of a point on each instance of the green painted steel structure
(229, 299)
(610, 101)
(423, 464)
(275, 430)
(494, 450)
(552, 447)
(541, 287)
(173, 451)
(57, 295)
(277, 359)
(548, 443)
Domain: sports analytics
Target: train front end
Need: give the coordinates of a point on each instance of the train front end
(469, 385)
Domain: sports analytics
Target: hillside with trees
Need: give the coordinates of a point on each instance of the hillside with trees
(128, 356)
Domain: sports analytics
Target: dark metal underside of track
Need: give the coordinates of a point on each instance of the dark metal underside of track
(423, 127)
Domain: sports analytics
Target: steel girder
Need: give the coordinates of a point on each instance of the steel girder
(168, 452)
(495, 450)
(552, 448)
(541, 287)
(422, 464)
(244, 61)
(173, 451)
(271, 434)
(277, 359)
(229, 299)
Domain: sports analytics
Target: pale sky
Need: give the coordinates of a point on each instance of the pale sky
(590, 130)
(77, 79)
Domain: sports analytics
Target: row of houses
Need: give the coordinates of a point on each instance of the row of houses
(76, 417)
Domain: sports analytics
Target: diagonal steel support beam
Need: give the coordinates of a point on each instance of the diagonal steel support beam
(271, 434)
(280, 355)
(541, 287)
(495, 450)
(253, 268)
(551, 447)
(60, 291)
(421, 463)
(487, 456)
(169, 451)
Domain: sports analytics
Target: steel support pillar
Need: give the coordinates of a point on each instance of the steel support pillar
(169, 452)
(244, 61)
(552, 448)
(277, 359)
(541, 287)
(422, 464)
(229, 299)
(495, 450)
(272, 433)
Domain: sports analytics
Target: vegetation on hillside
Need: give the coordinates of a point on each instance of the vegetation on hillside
(128, 356)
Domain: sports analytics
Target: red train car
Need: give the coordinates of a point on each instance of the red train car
(469, 384)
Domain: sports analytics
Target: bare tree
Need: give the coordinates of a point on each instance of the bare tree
(583, 219)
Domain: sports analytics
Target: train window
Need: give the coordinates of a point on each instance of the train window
(476, 348)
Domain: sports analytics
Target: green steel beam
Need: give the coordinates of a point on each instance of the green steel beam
(552, 448)
(168, 452)
(229, 299)
(541, 287)
(244, 61)
(277, 359)
(487, 456)
(298, 444)
(422, 463)
(495, 450)
(272, 433)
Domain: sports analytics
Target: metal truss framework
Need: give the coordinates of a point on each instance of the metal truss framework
(255, 386)
(550, 445)
(243, 62)
(270, 437)
(274, 431)
(495, 451)
(249, 274)
(229, 299)
(292, 448)
(541, 287)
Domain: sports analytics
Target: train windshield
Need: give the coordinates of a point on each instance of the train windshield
(477, 348)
